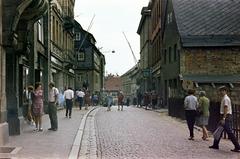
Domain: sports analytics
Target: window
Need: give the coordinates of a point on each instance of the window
(78, 36)
(165, 56)
(80, 78)
(96, 78)
(81, 56)
(169, 18)
(53, 28)
(175, 52)
(170, 54)
(40, 30)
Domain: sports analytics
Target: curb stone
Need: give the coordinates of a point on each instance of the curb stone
(78, 138)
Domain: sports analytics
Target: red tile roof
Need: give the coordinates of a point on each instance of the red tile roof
(113, 83)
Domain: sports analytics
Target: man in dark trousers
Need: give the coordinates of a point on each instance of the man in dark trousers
(52, 106)
(226, 121)
(69, 96)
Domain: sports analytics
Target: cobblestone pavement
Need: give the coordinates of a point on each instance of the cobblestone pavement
(139, 134)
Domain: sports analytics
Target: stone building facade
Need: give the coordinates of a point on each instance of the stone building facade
(156, 42)
(25, 61)
(36, 45)
(129, 83)
(144, 30)
(68, 41)
(57, 52)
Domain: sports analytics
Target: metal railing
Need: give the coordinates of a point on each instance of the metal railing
(236, 120)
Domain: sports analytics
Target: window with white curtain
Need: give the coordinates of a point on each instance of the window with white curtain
(40, 30)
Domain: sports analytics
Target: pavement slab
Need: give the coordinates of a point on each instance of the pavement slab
(47, 144)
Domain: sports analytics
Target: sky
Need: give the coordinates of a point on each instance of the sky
(111, 19)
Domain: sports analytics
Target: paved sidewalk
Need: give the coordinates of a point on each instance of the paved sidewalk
(47, 144)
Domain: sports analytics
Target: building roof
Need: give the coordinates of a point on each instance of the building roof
(132, 71)
(145, 12)
(208, 22)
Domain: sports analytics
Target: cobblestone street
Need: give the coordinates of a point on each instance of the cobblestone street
(137, 133)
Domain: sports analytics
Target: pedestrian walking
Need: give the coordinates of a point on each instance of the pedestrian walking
(120, 100)
(190, 105)
(109, 100)
(38, 106)
(25, 105)
(95, 99)
(128, 101)
(203, 109)
(69, 96)
(87, 99)
(134, 101)
(80, 97)
(146, 99)
(52, 106)
(139, 99)
(226, 121)
(154, 99)
(30, 104)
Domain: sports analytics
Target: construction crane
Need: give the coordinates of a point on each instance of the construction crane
(134, 57)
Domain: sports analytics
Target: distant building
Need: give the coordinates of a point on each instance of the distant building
(89, 61)
(113, 84)
(131, 83)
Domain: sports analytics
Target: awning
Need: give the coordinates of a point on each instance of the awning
(211, 78)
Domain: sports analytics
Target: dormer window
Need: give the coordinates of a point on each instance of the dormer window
(92, 41)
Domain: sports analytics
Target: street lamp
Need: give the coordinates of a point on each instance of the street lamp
(109, 51)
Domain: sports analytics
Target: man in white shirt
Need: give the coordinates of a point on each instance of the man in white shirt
(226, 121)
(52, 106)
(190, 105)
(69, 96)
(80, 95)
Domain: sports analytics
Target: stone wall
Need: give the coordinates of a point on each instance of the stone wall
(210, 61)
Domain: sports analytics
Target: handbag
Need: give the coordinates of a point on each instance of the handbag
(217, 133)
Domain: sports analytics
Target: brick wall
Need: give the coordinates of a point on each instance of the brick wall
(210, 61)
